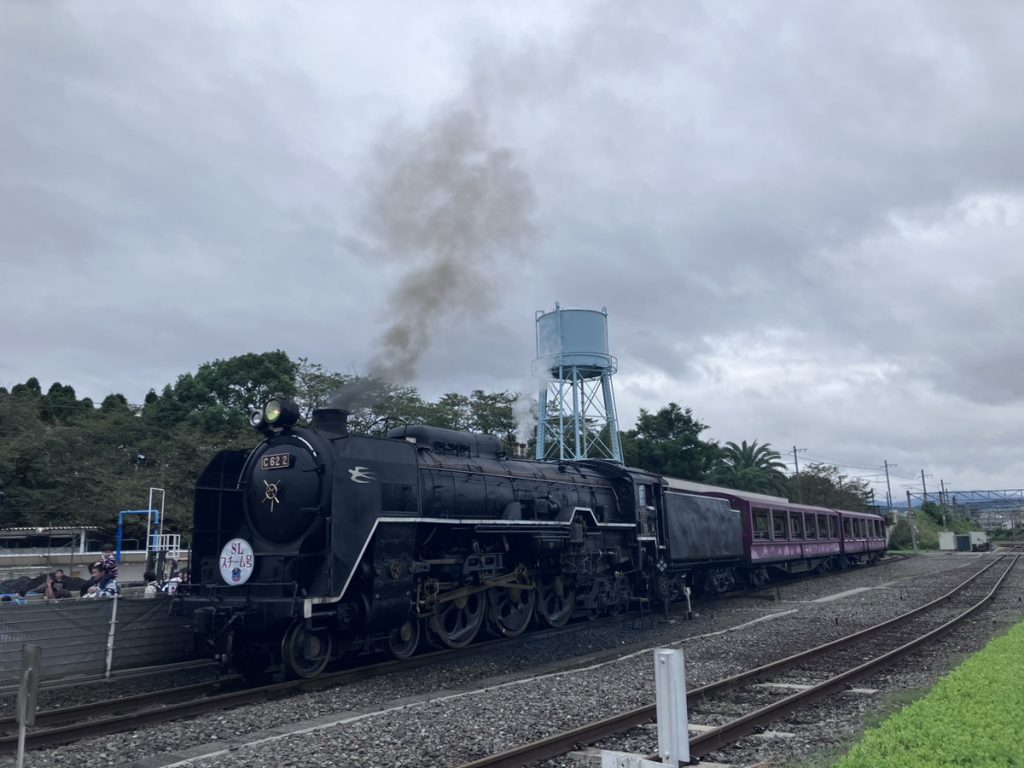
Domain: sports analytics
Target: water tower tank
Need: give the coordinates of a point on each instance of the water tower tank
(577, 417)
(573, 337)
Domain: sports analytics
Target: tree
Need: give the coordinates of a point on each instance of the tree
(375, 407)
(115, 402)
(314, 387)
(221, 394)
(60, 405)
(492, 413)
(824, 485)
(246, 382)
(752, 467)
(451, 411)
(668, 442)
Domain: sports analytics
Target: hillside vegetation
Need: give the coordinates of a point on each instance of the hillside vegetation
(68, 460)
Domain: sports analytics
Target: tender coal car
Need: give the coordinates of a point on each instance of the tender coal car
(780, 537)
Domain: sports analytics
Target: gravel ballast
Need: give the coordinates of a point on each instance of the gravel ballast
(465, 708)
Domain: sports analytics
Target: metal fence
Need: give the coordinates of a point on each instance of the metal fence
(88, 637)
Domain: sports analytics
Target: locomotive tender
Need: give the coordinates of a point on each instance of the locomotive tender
(318, 541)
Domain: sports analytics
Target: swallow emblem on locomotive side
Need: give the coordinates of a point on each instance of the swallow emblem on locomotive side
(361, 475)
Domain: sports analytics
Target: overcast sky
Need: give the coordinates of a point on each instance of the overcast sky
(806, 219)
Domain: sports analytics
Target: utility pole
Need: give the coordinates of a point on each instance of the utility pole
(942, 498)
(888, 486)
(910, 517)
(924, 487)
(796, 476)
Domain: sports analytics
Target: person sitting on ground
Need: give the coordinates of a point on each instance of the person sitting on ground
(93, 580)
(151, 587)
(105, 586)
(56, 586)
(109, 560)
(172, 583)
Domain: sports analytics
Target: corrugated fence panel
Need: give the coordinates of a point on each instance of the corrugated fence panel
(73, 635)
(146, 635)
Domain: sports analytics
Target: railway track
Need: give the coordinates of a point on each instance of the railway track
(782, 686)
(70, 724)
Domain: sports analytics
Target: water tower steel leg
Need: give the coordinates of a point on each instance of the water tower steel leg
(542, 422)
(610, 412)
(561, 413)
(577, 383)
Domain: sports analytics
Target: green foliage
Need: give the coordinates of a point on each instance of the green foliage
(751, 467)
(935, 512)
(669, 442)
(971, 718)
(314, 387)
(901, 537)
(824, 485)
(451, 411)
(380, 406)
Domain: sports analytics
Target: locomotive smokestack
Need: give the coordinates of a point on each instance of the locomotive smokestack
(331, 420)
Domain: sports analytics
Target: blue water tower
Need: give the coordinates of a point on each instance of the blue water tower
(577, 417)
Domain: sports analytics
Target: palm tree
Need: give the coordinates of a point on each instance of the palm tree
(752, 467)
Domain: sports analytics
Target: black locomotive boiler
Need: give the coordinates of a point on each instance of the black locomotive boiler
(318, 541)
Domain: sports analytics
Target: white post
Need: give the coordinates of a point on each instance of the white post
(154, 540)
(28, 692)
(110, 635)
(673, 730)
(673, 725)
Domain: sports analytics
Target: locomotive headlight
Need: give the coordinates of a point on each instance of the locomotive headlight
(280, 413)
(256, 419)
(273, 411)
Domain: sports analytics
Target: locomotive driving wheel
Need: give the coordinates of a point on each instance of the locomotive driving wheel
(510, 605)
(457, 621)
(305, 651)
(555, 599)
(402, 641)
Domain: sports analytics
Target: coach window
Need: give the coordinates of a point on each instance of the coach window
(822, 526)
(831, 527)
(761, 529)
(810, 529)
(796, 524)
(847, 528)
(779, 525)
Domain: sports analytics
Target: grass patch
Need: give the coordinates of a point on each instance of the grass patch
(972, 717)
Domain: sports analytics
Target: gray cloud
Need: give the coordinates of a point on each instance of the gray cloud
(806, 226)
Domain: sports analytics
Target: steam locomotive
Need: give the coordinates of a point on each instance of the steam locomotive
(318, 542)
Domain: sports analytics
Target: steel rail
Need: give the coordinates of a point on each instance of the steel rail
(715, 739)
(561, 743)
(65, 725)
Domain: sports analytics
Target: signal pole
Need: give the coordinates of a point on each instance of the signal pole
(796, 467)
